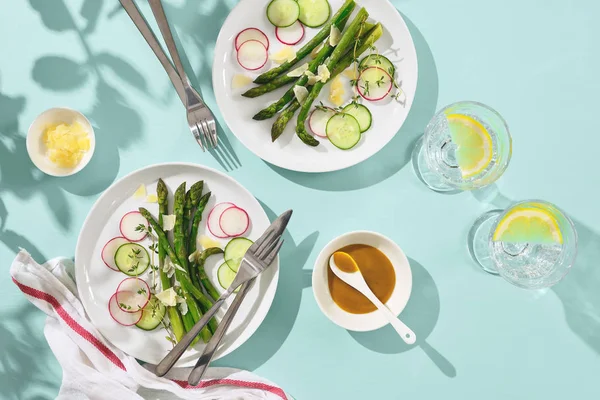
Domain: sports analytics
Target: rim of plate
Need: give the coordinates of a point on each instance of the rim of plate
(268, 296)
(373, 320)
(265, 154)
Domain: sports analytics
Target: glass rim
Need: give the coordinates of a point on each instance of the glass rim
(575, 245)
(502, 167)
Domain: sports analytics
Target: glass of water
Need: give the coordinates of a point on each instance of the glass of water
(466, 146)
(532, 244)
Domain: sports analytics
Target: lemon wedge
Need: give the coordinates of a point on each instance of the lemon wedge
(528, 224)
(473, 142)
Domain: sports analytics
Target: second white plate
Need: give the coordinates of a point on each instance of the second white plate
(288, 151)
(96, 282)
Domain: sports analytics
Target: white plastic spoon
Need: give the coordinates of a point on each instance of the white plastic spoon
(350, 274)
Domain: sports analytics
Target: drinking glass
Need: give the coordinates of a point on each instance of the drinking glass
(525, 261)
(466, 146)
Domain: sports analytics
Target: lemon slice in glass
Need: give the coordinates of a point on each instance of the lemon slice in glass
(528, 224)
(473, 142)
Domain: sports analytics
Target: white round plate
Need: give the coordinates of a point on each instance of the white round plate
(373, 320)
(96, 282)
(288, 151)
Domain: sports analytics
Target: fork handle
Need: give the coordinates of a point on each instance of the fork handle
(144, 28)
(165, 29)
(213, 344)
(169, 361)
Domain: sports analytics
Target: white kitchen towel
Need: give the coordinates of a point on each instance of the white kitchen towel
(94, 369)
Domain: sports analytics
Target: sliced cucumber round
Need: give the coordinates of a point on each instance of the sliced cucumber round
(343, 130)
(362, 115)
(226, 276)
(283, 13)
(314, 13)
(152, 315)
(235, 251)
(379, 61)
(132, 259)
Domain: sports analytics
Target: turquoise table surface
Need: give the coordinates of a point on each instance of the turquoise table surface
(536, 62)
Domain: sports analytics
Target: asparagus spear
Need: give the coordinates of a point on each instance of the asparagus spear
(178, 229)
(182, 277)
(210, 289)
(340, 16)
(196, 221)
(193, 236)
(191, 200)
(283, 119)
(163, 208)
(196, 313)
(347, 40)
(364, 44)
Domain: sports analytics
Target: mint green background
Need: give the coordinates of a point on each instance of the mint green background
(537, 62)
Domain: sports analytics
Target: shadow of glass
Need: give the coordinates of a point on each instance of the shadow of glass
(23, 350)
(421, 315)
(116, 123)
(397, 153)
(279, 322)
(579, 291)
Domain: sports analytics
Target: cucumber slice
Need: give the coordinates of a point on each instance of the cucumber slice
(132, 259)
(343, 130)
(379, 61)
(362, 115)
(234, 252)
(226, 276)
(152, 315)
(314, 13)
(283, 13)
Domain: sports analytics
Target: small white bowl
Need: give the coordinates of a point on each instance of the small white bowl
(373, 320)
(37, 149)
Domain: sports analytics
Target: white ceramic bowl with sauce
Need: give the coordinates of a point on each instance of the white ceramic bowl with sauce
(373, 320)
(37, 149)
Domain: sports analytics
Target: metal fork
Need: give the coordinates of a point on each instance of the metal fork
(258, 258)
(201, 120)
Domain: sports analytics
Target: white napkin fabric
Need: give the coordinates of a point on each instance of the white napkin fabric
(94, 369)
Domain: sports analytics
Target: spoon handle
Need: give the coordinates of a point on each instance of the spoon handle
(404, 331)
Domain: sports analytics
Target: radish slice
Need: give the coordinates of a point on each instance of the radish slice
(290, 35)
(122, 317)
(318, 121)
(234, 221)
(214, 217)
(374, 84)
(252, 55)
(132, 295)
(129, 224)
(251, 34)
(109, 250)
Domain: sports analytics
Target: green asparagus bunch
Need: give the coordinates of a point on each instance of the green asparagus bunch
(366, 41)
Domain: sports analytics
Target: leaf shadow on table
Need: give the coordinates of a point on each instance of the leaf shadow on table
(397, 153)
(20, 178)
(116, 123)
(23, 355)
(578, 291)
(276, 327)
(421, 315)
